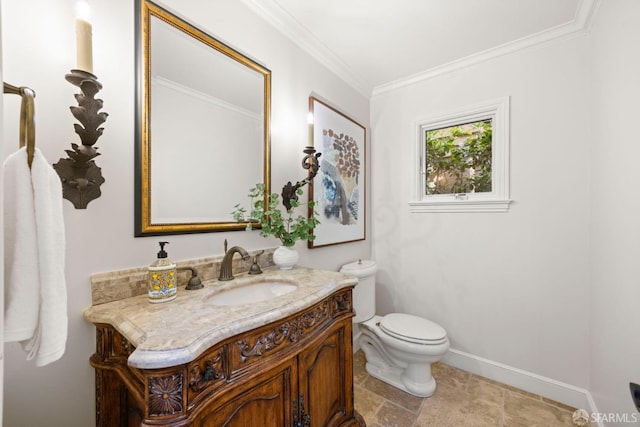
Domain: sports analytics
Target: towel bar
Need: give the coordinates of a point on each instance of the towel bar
(27, 117)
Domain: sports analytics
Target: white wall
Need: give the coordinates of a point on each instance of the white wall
(551, 287)
(38, 52)
(514, 287)
(615, 347)
(1, 239)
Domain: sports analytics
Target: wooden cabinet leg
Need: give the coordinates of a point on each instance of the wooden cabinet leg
(110, 400)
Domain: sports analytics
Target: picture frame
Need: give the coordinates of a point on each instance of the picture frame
(339, 189)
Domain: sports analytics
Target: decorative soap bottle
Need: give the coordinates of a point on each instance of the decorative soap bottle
(162, 278)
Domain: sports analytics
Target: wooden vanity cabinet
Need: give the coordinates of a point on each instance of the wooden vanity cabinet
(293, 372)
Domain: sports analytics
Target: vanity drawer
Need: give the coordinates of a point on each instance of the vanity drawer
(207, 373)
(288, 335)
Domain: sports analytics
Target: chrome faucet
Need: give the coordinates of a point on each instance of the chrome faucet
(226, 267)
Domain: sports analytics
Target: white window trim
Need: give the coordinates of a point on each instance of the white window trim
(498, 199)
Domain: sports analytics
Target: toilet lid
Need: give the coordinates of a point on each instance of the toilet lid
(360, 268)
(412, 328)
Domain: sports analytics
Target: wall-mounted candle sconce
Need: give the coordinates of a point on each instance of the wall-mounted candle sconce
(309, 162)
(81, 177)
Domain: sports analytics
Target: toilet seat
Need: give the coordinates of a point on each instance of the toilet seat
(413, 329)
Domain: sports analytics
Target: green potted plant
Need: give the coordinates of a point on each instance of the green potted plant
(279, 222)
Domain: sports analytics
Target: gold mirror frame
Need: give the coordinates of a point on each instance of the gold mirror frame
(143, 222)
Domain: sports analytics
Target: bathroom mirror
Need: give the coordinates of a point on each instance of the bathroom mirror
(202, 127)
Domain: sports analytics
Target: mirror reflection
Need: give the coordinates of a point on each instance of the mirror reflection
(204, 128)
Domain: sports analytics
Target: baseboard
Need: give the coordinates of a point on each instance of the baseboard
(524, 380)
(591, 407)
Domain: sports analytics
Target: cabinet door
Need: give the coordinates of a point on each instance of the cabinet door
(324, 380)
(264, 401)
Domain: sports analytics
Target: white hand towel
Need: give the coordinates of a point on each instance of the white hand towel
(21, 273)
(48, 340)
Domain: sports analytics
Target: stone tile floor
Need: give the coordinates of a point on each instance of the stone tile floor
(461, 399)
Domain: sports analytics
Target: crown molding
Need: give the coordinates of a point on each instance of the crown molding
(204, 97)
(273, 13)
(579, 25)
(586, 13)
(290, 28)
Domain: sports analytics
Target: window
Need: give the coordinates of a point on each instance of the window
(464, 160)
(458, 158)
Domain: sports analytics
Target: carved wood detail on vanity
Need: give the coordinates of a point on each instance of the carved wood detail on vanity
(210, 369)
(165, 395)
(291, 330)
(342, 303)
(115, 378)
(111, 344)
(256, 375)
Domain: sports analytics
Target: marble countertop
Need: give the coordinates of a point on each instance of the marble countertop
(177, 332)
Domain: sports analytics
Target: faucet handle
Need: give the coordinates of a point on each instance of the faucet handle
(255, 268)
(194, 280)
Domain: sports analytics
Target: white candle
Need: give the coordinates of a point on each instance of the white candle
(310, 122)
(84, 45)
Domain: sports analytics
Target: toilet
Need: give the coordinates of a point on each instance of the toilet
(399, 347)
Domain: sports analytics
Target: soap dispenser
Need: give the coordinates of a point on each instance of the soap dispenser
(162, 278)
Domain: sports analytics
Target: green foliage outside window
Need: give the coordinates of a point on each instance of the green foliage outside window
(459, 159)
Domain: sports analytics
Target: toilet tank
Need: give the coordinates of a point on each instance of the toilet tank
(364, 294)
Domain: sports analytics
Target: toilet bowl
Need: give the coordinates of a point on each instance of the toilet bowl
(399, 348)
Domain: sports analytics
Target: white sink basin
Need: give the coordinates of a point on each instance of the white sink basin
(252, 293)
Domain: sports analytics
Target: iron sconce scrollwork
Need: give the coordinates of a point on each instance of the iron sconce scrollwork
(81, 177)
(309, 162)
